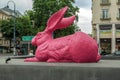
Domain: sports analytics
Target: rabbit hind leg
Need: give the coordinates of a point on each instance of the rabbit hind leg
(66, 60)
(52, 60)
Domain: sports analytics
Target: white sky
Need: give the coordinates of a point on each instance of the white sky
(85, 14)
(84, 22)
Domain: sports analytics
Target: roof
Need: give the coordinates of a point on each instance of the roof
(6, 10)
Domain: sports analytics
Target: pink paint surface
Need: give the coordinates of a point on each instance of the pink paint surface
(78, 47)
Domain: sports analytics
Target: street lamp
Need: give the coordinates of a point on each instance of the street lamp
(14, 48)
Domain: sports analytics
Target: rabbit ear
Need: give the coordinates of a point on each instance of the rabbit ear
(65, 22)
(55, 19)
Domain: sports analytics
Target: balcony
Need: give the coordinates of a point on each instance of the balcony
(105, 3)
(105, 18)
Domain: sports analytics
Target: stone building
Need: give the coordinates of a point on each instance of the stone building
(106, 24)
(6, 13)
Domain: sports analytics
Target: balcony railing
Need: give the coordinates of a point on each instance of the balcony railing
(105, 17)
(105, 3)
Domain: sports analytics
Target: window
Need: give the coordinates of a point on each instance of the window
(2, 17)
(118, 1)
(118, 14)
(105, 1)
(117, 26)
(105, 13)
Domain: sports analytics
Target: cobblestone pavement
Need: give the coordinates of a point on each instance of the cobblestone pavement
(5, 54)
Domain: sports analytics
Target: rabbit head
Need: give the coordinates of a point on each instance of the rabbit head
(40, 38)
(56, 21)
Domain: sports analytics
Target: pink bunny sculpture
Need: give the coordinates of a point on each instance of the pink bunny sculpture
(78, 47)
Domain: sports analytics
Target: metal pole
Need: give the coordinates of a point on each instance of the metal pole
(14, 34)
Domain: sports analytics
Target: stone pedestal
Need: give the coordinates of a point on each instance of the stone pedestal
(19, 70)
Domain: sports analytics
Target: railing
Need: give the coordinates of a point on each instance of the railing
(105, 2)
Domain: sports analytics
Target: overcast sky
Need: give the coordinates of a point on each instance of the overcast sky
(85, 14)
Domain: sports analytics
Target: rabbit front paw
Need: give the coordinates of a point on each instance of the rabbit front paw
(52, 60)
(34, 59)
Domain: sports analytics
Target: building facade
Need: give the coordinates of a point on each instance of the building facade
(6, 13)
(106, 24)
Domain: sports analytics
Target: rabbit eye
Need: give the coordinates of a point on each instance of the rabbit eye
(38, 34)
(38, 37)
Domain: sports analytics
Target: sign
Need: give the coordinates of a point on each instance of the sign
(27, 38)
(105, 27)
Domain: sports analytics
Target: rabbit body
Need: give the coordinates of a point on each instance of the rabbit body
(77, 47)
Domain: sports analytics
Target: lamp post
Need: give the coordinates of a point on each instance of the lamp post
(14, 34)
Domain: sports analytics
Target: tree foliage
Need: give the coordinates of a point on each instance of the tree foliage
(7, 28)
(23, 27)
(43, 9)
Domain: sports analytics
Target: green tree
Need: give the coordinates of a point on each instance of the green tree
(23, 28)
(7, 28)
(22, 24)
(30, 14)
(43, 9)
